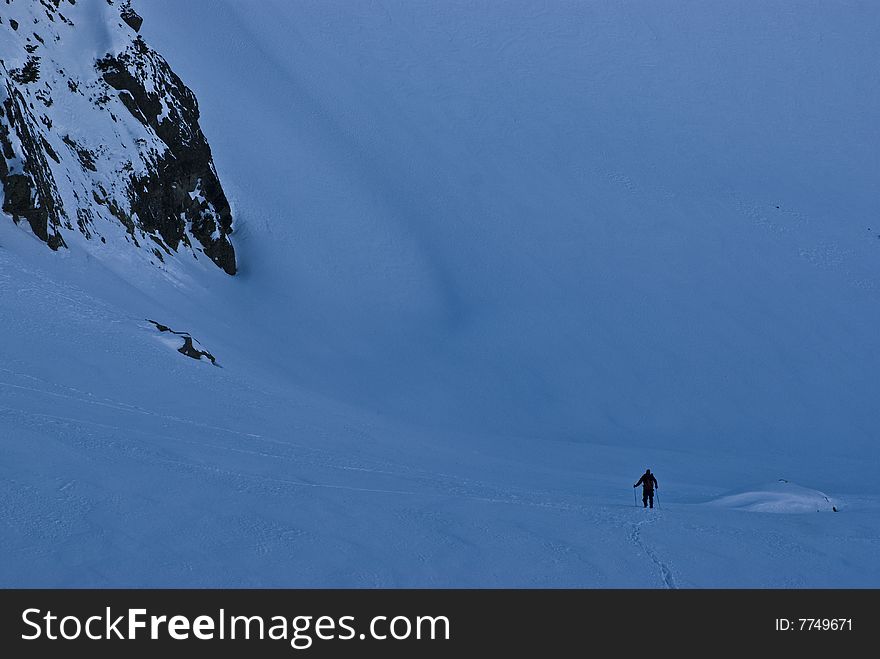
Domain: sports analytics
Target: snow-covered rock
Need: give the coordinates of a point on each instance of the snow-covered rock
(781, 496)
(97, 133)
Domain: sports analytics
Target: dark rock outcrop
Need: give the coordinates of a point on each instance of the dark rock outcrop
(131, 17)
(134, 156)
(190, 347)
(29, 188)
(183, 182)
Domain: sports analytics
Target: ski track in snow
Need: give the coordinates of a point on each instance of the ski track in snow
(446, 485)
(637, 539)
(445, 488)
(428, 488)
(157, 447)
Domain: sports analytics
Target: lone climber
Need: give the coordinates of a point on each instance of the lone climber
(649, 484)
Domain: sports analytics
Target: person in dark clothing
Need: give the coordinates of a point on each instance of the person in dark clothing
(649, 484)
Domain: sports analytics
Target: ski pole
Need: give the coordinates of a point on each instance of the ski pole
(635, 501)
(657, 495)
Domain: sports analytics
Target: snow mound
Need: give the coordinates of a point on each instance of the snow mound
(779, 497)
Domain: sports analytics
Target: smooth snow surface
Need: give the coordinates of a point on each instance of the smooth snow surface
(779, 497)
(496, 258)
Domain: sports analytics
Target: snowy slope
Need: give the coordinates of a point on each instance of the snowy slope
(565, 212)
(494, 260)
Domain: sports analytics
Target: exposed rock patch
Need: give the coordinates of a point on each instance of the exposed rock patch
(191, 348)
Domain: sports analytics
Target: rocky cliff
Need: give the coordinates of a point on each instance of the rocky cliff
(100, 139)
